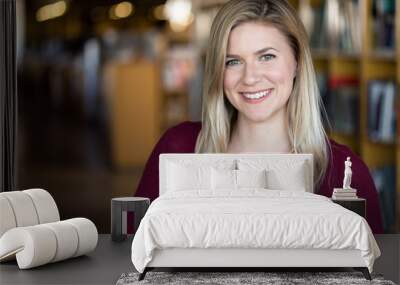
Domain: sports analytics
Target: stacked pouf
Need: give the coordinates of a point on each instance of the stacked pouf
(31, 230)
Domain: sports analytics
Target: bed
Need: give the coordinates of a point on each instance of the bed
(246, 211)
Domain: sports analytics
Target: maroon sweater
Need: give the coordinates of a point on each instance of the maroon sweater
(182, 139)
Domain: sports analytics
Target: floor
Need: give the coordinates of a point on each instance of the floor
(111, 259)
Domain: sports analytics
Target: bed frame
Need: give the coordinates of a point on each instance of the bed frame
(244, 259)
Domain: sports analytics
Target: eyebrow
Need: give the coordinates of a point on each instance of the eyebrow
(261, 51)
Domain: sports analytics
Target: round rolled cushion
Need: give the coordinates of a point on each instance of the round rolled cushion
(33, 246)
(7, 218)
(23, 208)
(45, 205)
(87, 235)
(40, 244)
(67, 239)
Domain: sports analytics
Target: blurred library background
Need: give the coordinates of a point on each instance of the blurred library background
(99, 81)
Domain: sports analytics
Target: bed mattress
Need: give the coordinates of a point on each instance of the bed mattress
(250, 219)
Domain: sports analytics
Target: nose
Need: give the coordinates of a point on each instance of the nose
(251, 75)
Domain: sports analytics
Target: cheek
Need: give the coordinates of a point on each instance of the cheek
(283, 69)
(281, 75)
(231, 79)
(284, 80)
(230, 82)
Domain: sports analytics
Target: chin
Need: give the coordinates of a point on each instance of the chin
(257, 118)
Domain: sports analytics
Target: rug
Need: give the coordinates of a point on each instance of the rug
(268, 278)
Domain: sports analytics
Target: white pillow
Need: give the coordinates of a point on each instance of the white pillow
(293, 179)
(235, 179)
(251, 178)
(187, 177)
(223, 179)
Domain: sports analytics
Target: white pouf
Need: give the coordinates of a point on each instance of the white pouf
(7, 218)
(40, 244)
(23, 208)
(45, 205)
(31, 231)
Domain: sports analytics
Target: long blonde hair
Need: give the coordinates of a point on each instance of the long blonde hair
(306, 131)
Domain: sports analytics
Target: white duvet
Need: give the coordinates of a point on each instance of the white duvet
(251, 218)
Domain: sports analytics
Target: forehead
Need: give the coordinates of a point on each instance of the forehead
(249, 37)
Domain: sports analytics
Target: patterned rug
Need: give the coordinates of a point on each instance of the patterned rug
(269, 278)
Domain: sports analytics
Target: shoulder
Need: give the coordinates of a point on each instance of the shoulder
(339, 154)
(185, 128)
(340, 150)
(182, 137)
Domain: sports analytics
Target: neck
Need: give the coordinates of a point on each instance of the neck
(267, 136)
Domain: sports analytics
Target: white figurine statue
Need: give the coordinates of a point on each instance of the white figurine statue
(347, 174)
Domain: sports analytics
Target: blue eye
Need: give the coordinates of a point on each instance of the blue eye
(267, 57)
(232, 62)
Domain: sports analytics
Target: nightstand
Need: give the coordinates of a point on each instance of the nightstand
(357, 205)
(120, 208)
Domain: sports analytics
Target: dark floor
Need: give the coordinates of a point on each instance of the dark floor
(69, 156)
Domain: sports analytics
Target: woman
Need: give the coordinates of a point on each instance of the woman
(260, 95)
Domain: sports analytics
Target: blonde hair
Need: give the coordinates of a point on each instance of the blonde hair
(306, 131)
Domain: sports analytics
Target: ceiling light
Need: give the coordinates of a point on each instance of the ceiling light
(179, 14)
(121, 10)
(51, 11)
(159, 12)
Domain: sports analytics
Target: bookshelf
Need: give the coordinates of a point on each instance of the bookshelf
(373, 66)
(372, 63)
(376, 64)
(341, 69)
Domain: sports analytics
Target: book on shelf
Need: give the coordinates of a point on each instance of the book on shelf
(381, 111)
(333, 24)
(397, 103)
(315, 20)
(383, 25)
(342, 25)
(385, 183)
(342, 104)
(351, 38)
(322, 81)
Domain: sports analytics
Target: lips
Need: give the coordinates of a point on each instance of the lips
(256, 97)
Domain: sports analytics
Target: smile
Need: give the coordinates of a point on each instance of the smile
(256, 95)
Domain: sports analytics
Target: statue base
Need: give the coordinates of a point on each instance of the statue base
(344, 190)
(344, 194)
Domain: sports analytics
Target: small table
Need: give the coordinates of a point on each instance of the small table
(357, 205)
(121, 206)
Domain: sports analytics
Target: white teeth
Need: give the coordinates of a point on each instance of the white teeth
(256, 95)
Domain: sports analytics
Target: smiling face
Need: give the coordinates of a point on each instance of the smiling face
(259, 71)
